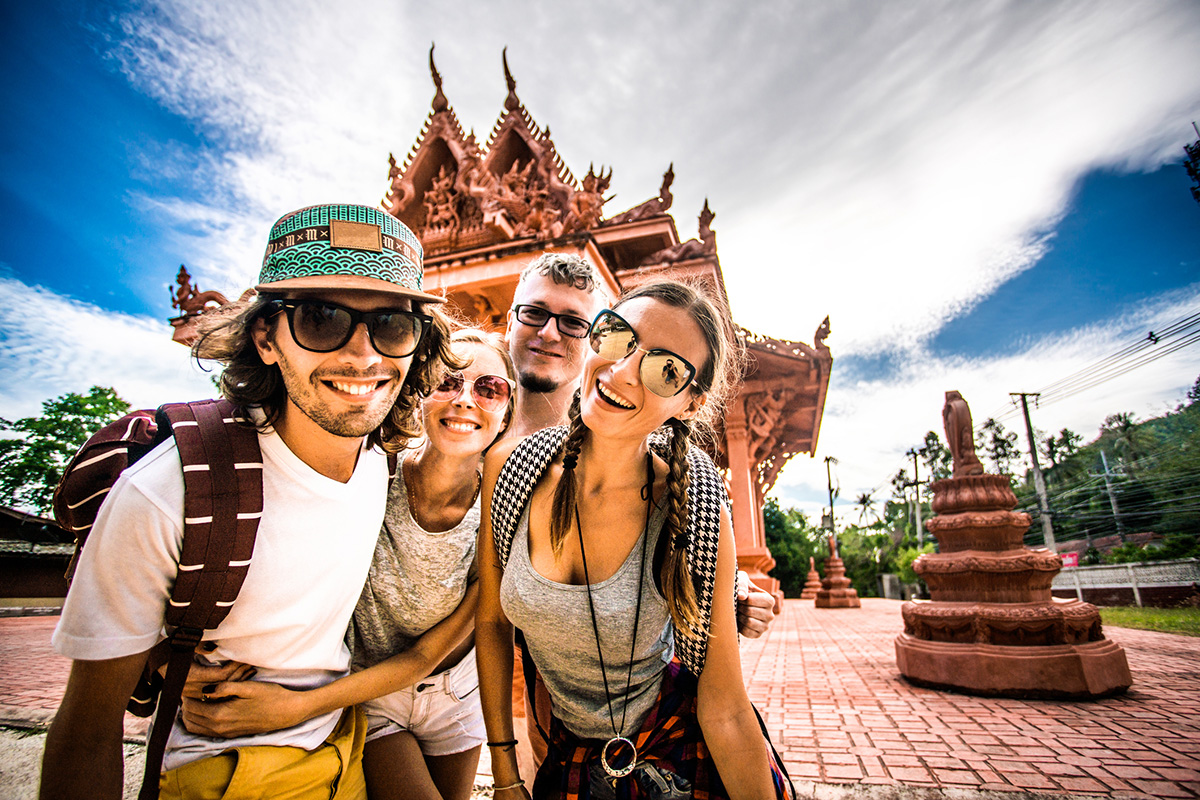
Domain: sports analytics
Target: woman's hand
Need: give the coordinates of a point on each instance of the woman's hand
(202, 675)
(241, 708)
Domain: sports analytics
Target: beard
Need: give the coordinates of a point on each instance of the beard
(351, 424)
(537, 384)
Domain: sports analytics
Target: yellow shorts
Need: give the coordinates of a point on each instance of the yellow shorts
(331, 772)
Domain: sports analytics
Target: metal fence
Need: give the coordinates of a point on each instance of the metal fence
(1184, 572)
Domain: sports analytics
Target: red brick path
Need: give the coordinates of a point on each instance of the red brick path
(826, 682)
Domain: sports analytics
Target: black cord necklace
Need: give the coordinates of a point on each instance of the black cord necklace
(617, 739)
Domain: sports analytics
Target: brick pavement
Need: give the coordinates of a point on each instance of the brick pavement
(827, 685)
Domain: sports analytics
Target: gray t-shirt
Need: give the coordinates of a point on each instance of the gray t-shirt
(558, 632)
(417, 579)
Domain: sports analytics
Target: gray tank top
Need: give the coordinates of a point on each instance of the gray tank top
(558, 632)
(417, 579)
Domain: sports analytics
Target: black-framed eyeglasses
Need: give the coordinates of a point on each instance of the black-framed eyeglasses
(664, 373)
(320, 326)
(490, 392)
(537, 317)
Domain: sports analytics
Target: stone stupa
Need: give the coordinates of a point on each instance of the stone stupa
(992, 627)
(836, 591)
(812, 582)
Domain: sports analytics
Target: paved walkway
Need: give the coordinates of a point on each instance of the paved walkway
(846, 723)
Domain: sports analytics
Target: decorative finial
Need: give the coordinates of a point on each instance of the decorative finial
(440, 103)
(511, 103)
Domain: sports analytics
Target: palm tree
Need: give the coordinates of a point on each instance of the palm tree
(866, 504)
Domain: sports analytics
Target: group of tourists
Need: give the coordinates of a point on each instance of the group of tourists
(428, 489)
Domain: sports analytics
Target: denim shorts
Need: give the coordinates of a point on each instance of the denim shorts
(442, 711)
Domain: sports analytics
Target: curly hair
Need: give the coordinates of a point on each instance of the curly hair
(248, 382)
(718, 378)
(564, 269)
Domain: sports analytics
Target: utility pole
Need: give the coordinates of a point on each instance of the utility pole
(829, 483)
(1039, 481)
(916, 483)
(1112, 498)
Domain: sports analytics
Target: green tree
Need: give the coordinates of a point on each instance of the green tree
(998, 444)
(32, 462)
(792, 540)
(866, 506)
(937, 457)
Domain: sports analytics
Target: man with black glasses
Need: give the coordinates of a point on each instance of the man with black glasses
(327, 361)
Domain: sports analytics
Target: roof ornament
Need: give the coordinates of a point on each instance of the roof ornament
(440, 103)
(511, 103)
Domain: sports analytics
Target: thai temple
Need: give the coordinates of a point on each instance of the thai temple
(484, 210)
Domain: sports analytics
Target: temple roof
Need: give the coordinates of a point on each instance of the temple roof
(482, 210)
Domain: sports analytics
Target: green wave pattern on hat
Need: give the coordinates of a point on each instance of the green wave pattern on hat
(311, 255)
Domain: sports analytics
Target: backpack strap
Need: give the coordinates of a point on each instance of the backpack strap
(222, 506)
(522, 470)
(706, 495)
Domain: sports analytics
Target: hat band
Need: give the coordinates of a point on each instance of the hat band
(320, 233)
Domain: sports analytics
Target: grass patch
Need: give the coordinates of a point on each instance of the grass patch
(1164, 620)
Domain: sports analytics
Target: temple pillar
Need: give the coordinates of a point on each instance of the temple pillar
(752, 554)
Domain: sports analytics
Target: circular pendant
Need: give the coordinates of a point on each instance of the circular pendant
(618, 772)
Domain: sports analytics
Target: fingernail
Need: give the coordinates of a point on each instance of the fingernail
(209, 689)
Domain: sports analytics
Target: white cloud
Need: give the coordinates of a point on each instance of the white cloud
(50, 346)
(889, 164)
(870, 424)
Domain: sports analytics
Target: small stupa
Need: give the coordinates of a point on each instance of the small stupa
(992, 627)
(812, 583)
(835, 591)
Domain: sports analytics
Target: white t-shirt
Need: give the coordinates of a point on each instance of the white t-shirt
(311, 556)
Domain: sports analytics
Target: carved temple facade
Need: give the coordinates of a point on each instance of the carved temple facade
(484, 210)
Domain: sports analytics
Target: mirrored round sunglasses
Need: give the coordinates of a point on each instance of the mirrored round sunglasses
(664, 373)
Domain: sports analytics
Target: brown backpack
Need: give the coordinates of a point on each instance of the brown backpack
(223, 501)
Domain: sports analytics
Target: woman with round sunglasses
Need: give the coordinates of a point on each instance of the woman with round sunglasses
(413, 668)
(599, 580)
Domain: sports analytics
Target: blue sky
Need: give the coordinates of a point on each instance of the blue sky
(982, 196)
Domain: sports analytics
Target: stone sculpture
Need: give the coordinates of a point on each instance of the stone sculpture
(960, 436)
(836, 591)
(992, 626)
(812, 581)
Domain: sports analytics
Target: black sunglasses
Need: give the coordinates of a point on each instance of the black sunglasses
(323, 327)
(664, 373)
(537, 317)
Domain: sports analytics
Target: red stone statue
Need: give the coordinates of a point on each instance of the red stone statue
(189, 299)
(960, 435)
(992, 626)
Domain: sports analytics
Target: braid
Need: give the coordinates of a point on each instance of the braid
(562, 512)
(676, 577)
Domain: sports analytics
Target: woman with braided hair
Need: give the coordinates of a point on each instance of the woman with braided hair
(595, 544)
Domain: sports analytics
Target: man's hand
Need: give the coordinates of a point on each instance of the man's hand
(755, 608)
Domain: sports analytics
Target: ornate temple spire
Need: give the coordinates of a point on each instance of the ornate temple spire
(440, 103)
(512, 102)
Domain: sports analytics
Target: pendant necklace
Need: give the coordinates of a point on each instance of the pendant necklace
(617, 739)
